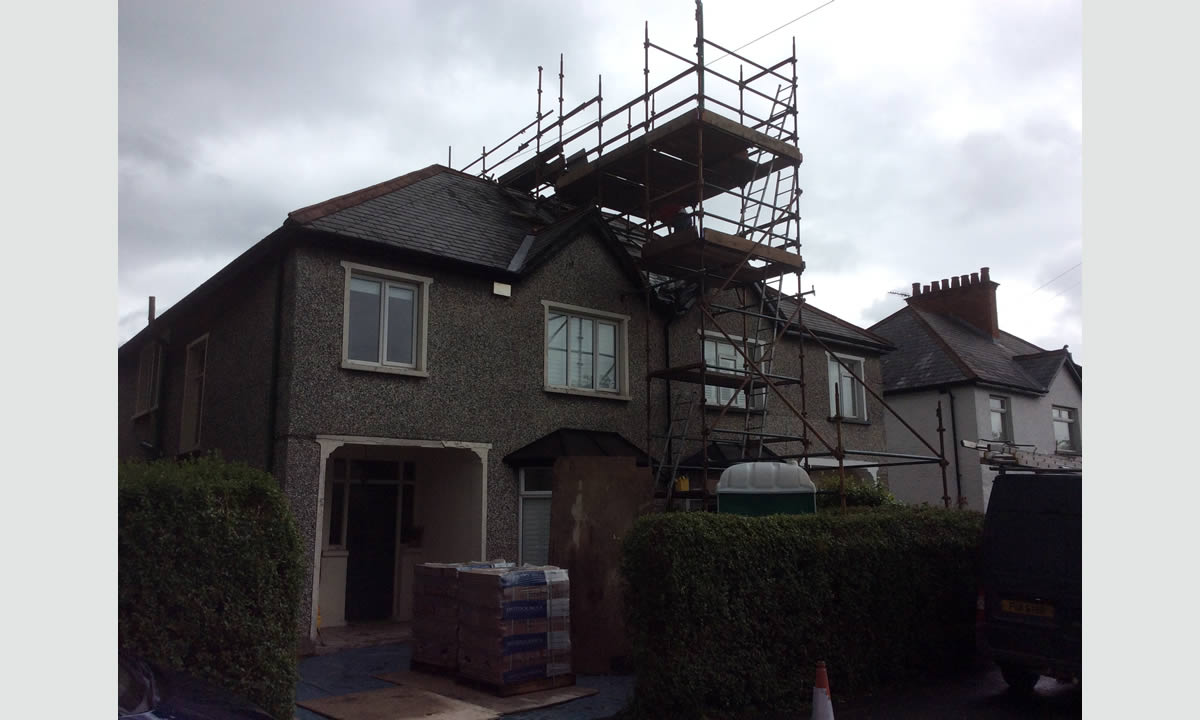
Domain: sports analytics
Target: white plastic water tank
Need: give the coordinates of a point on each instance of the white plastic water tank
(765, 478)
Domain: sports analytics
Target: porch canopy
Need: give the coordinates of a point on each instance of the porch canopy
(570, 442)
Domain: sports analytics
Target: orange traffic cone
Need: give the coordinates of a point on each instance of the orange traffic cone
(822, 700)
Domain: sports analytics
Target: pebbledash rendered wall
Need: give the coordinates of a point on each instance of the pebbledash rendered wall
(686, 348)
(239, 322)
(485, 362)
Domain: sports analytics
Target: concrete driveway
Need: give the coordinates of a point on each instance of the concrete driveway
(979, 693)
(351, 671)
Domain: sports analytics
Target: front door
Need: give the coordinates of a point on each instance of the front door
(371, 543)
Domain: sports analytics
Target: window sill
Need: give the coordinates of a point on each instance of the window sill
(348, 365)
(1069, 453)
(732, 409)
(335, 552)
(586, 393)
(850, 421)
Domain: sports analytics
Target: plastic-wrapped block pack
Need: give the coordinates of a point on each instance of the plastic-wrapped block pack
(435, 612)
(514, 625)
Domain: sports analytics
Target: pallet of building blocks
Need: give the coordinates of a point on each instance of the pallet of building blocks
(435, 614)
(514, 628)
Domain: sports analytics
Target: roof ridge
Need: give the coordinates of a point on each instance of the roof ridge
(1021, 339)
(316, 211)
(1040, 354)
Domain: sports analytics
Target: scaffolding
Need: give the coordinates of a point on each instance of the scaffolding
(713, 204)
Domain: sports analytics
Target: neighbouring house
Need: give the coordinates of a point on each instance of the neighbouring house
(411, 359)
(993, 387)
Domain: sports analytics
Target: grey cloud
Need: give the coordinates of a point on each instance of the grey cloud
(199, 80)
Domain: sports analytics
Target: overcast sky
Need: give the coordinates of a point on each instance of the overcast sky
(938, 137)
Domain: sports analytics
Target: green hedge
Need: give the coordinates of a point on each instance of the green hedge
(730, 613)
(210, 575)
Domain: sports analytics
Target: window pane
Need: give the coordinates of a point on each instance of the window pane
(606, 356)
(364, 320)
(996, 403)
(1062, 435)
(556, 353)
(606, 372)
(337, 507)
(580, 360)
(196, 358)
(997, 425)
(537, 479)
(400, 318)
(535, 530)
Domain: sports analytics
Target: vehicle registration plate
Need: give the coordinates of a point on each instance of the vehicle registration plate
(1018, 607)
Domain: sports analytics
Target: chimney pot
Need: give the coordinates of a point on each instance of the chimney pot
(973, 300)
(150, 312)
(984, 275)
(916, 288)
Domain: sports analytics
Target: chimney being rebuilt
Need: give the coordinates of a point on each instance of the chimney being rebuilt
(970, 298)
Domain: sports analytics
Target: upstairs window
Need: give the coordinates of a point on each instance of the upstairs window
(724, 357)
(843, 386)
(1001, 419)
(1066, 429)
(385, 320)
(585, 351)
(148, 379)
(193, 394)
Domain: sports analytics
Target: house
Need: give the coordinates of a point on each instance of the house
(992, 385)
(410, 359)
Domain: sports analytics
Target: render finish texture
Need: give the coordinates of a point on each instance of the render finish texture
(235, 408)
(485, 364)
(687, 347)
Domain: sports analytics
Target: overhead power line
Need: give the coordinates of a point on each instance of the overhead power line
(772, 32)
(1064, 272)
(1068, 289)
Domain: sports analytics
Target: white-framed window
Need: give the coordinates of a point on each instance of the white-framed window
(586, 351)
(842, 385)
(1000, 414)
(534, 515)
(149, 379)
(1066, 429)
(385, 321)
(193, 393)
(721, 355)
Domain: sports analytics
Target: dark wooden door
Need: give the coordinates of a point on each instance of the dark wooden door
(371, 542)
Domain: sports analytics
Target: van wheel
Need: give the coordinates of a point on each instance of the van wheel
(1019, 679)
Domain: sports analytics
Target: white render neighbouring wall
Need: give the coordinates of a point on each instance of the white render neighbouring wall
(916, 484)
(1032, 424)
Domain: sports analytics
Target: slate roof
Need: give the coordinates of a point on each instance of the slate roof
(435, 211)
(445, 213)
(1043, 366)
(934, 349)
(829, 326)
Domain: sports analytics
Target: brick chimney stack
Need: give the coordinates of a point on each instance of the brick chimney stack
(970, 298)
